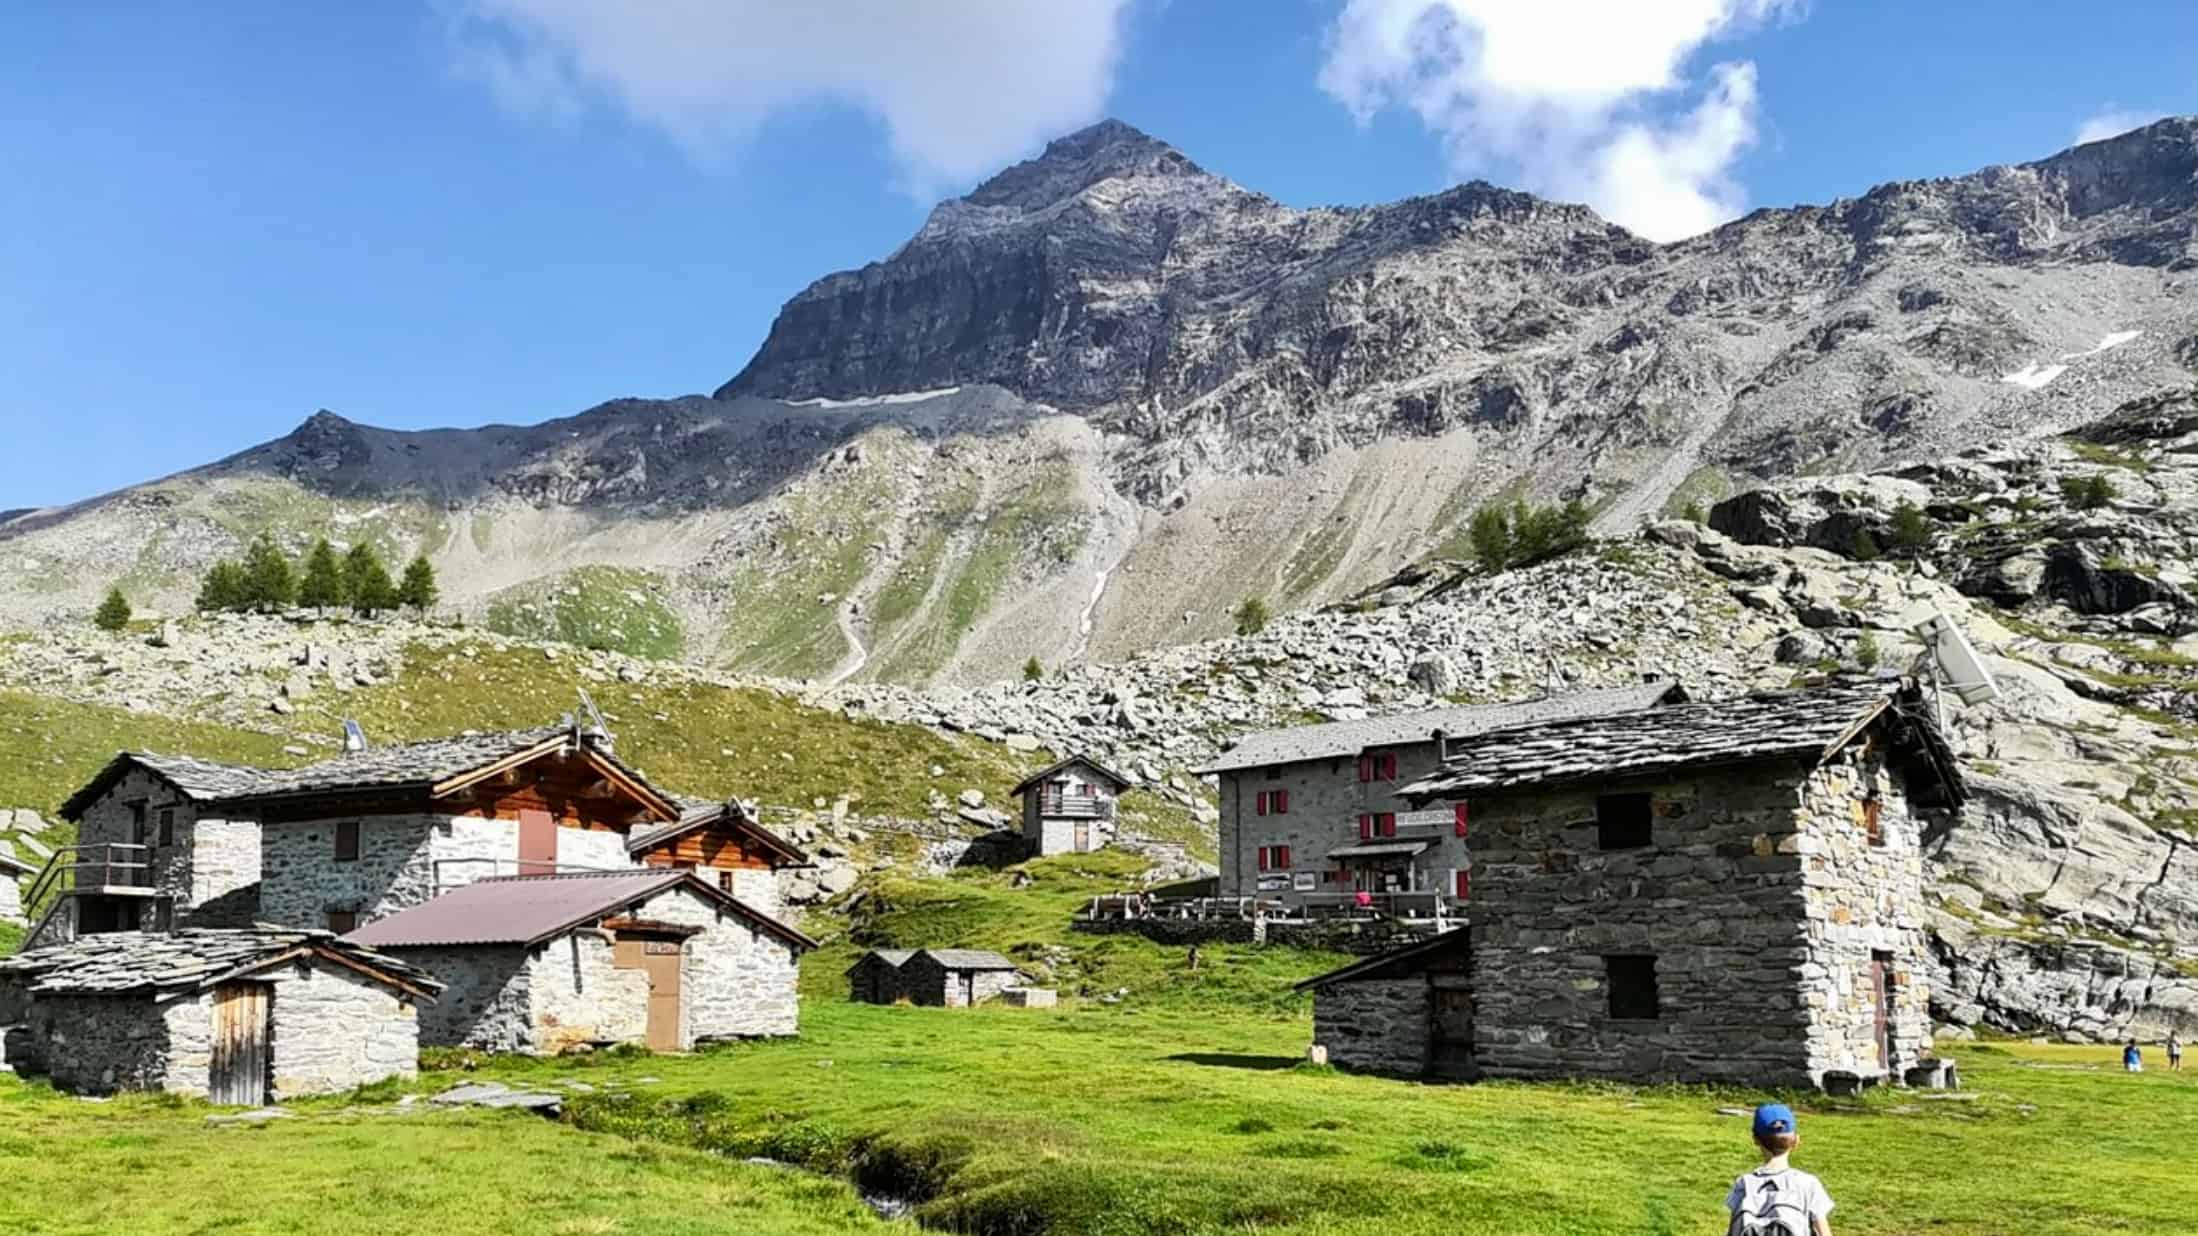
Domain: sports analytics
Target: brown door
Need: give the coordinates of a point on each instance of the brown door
(1450, 1037)
(660, 958)
(537, 842)
(1083, 837)
(969, 989)
(239, 1070)
(1881, 1001)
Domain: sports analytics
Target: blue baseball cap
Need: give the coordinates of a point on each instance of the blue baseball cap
(1774, 1118)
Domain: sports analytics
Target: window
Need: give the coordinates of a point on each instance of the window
(725, 882)
(1457, 818)
(1631, 979)
(347, 841)
(1280, 801)
(1389, 767)
(1873, 820)
(1274, 858)
(167, 826)
(1387, 823)
(1622, 821)
(343, 922)
(137, 823)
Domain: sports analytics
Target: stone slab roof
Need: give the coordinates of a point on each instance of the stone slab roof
(1782, 725)
(890, 956)
(123, 962)
(1347, 738)
(530, 909)
(1378, 965)
(968, 959)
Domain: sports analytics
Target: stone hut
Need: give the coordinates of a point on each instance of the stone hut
(13, 871)
(1311, 814)
(545, 963)
(956, 977)
(1725, 891)
(876, 977)
(1069, 806)
(246, 1017)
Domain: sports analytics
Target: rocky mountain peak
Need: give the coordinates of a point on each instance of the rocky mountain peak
(1108, 150)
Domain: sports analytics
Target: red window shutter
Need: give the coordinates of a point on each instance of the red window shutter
(1465, 884)
(1366, 768)
(1457, 815)
(1365, 827)
(1263, 858)
(1388, 823)
(1285, 856)
(1282, 802)
(1261, 807)
(1389, 768)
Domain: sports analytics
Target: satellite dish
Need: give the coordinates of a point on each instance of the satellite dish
(1955, 667)
(354, 738)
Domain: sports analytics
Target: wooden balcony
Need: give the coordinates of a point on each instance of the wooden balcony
(1075, 807)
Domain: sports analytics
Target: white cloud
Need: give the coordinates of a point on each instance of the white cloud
(1561, 95)
(2112, 121)
(960, 86)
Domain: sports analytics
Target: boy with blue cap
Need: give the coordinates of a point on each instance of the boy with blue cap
(1778, 1199)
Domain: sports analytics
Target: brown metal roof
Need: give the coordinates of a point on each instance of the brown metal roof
(527, 910)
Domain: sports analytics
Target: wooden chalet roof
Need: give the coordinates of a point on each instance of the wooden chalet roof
(1044, 774)
(1380, 965)
(434, 766)
(530, 909)
(123, 962)
(1810, 725)
(1347, 738)
(733, 816)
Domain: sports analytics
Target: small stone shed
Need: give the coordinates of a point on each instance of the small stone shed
(234, 1016)
(1725, 891)
(875, 978)
(544, 964)
(1069, 806)
(13, 870)
(956, 977)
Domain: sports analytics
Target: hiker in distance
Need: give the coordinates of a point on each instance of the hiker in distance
(1778, 1199)
(2133, 1060)
(2174, 1053)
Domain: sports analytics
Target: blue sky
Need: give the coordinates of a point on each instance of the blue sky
(468, 211)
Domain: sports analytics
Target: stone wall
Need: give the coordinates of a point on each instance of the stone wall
(1326, 800)
(486, 998)
(208, 861)
(578, 994)
(755, 886)
(738, 981)
(225, 871)
(1864, 901)
(1341, 935)
(333, 1029)
(1716, 898)
(1375, 1025)
(101, 1044)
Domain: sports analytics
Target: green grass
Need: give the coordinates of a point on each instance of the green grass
(2106, 456)
(54, 746)
(617, 609)
(149, 1164)
(1706, 485)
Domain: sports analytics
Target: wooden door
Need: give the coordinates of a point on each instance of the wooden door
(238, 1073)
(1083, 837)
(1450, 1032)
(537, 842)
(1881, 1002)
(969, 989)
(661, 958)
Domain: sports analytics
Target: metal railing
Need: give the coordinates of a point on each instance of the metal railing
(1422, 905)
(450, 873)
(115, 864)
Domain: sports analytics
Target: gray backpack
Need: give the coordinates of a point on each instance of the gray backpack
(1772, 1205)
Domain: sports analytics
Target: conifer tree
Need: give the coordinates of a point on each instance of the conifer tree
(269, 582)
(322, 585)
(113, 613)
(223, 590)
(418, 589)
(366, 581)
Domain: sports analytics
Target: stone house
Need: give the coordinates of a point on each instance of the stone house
(13, 871)
(955, 977)
(234, 1016)
(875, 978)
(1311, 815)
(1069, 806)
(155, 849)
(1724, 891)
(545, 963)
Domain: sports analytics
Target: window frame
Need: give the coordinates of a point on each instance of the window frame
(1873, 821)
(1624, 988)
(167, 827)
(1608, 838)
(345, 928)
(343, 829)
